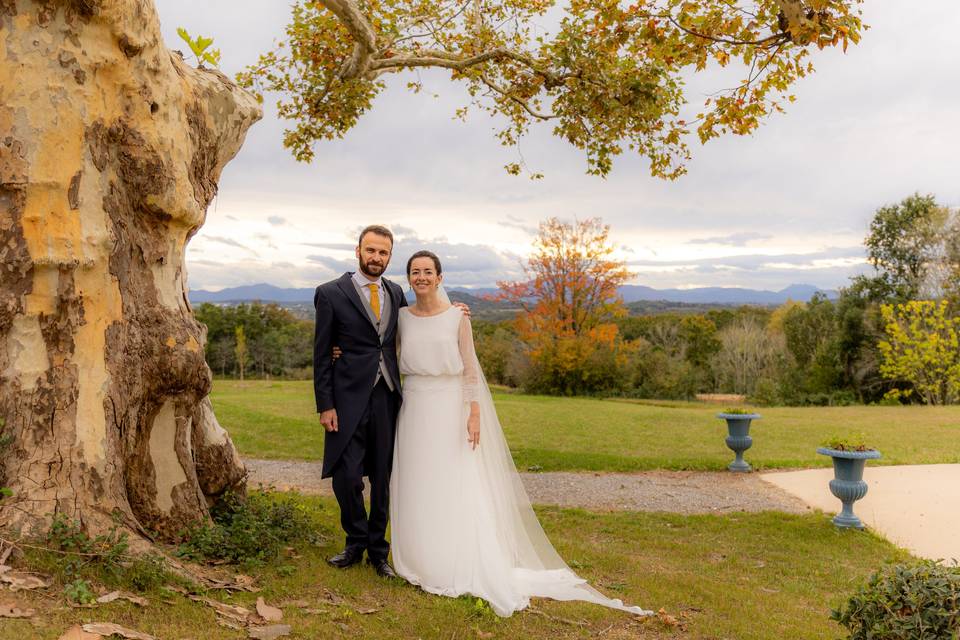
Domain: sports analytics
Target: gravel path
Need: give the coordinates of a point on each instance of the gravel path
(684, 492)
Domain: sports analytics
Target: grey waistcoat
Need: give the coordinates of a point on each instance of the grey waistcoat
(381, 325)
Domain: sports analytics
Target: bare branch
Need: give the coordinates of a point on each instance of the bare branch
(362, 32)
(519, 101)
(458, 62)
(777, 38)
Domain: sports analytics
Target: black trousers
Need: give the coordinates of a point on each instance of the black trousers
(369, 453)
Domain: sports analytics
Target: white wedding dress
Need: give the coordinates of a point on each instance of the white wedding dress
(460, 518)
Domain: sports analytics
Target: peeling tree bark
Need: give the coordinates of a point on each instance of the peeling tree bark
(110, 151)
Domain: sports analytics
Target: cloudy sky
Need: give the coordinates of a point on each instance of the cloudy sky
(789, 204)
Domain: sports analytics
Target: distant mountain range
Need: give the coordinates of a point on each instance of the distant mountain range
(630, 293)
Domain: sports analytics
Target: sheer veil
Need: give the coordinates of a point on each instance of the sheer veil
(534, 559)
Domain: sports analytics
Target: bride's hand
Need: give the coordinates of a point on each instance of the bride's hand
(473, 430)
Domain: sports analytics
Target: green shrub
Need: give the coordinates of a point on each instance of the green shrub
(250, 530)
(918, 601)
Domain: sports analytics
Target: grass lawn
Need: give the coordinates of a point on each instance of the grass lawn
(278, 420)
(744, 576)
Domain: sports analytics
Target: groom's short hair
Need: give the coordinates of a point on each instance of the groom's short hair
(378, 229)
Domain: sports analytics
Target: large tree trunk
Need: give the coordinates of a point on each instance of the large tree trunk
(110, 151)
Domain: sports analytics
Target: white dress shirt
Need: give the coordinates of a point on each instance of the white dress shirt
(364, 284)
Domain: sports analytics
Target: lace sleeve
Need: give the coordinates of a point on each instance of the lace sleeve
(471, 367)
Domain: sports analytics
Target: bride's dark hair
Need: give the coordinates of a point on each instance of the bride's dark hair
(425, 254)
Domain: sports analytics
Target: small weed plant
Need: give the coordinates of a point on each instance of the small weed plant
(79, 561)
(850, 442)
(251, 530)
(79, 591)
(737, 411)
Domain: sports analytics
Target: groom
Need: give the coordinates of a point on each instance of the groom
(358, 395)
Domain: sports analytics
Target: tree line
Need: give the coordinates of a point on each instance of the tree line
(256, 340)
(890, 336)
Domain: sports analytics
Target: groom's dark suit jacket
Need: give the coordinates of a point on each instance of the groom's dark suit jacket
(346, 384)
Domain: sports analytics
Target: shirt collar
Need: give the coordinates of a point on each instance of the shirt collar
(362, 281)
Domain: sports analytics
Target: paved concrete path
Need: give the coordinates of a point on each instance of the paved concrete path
(914, 506)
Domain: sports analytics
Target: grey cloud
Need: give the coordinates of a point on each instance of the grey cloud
(266, 239)
(740, 239)
(463, 264)
(772, 279)
(337, 246)
(400, 230)
(212, 277)
(334, 264)
(515, 222)
(276, 220)
(229, 242)
(754, 262)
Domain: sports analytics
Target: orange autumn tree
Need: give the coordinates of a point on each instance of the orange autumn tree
(569, 302)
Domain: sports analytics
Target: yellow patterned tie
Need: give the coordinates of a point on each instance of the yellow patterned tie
(375, 299)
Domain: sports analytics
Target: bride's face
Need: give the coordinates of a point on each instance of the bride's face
(423, 276)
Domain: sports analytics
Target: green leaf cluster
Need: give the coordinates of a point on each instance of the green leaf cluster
(200, 46)
(918, 601)
(922, 349)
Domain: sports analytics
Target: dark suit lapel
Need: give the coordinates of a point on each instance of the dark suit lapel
(346, 285)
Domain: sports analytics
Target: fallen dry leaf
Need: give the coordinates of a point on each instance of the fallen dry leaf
(176, 589)
(20, 580)
(667, 619)
(484, 634)
(5, 555)
(228, 624)
(108, 629)
(243, 580)
(270, 633)
(366, 612)
(76, 632)
(122, 595)
(234, 612)
(268, 613)
(9, 610)
(295, 603)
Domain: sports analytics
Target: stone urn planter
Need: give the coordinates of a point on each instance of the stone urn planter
(848, 484)
(738, 437)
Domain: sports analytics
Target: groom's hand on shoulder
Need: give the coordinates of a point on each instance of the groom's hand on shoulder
(328, 419)
(463, 307)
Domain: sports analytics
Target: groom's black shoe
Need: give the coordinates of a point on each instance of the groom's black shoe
(346, 558)
(383, 569)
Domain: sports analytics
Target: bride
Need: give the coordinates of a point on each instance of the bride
(461, 520)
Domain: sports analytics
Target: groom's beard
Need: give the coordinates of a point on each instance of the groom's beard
(373, 268)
